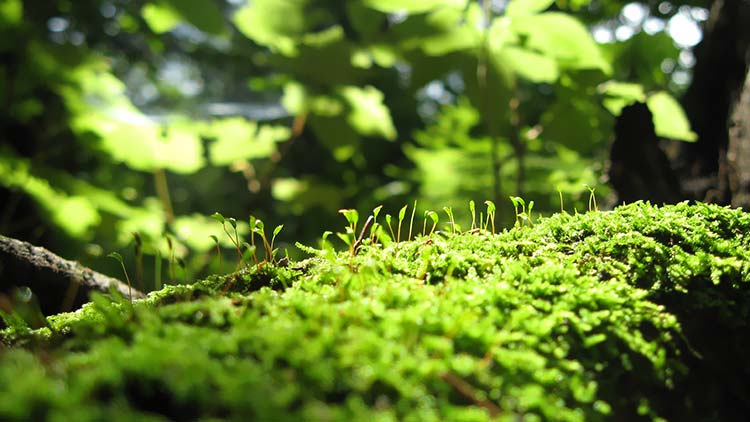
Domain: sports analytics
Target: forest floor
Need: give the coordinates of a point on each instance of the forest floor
(641, 313)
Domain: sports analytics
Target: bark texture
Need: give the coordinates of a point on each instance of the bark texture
(57, 282)
(716, 168)
(738, 156)
(718, 77)
(638, 168)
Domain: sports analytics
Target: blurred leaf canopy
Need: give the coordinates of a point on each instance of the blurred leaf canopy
(144, 116)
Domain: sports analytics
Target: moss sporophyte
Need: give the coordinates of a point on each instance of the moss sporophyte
(639, 314)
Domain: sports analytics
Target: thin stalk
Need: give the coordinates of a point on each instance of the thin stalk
(162, 190)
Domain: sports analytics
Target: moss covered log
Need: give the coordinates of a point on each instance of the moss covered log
(642, 313)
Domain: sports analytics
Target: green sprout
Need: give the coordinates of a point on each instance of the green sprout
(592, 199)
(352, 217)
(253, 223)
(473, 209)
(390, 228)
(525, 214)
(324, 243)
(260, 229)
(562, 208)
(432, 215)
(411, 221)
(236, 239)
(451, 221)
(118, 257)
(218, 250)
(375, 225)
(401, 215)
(490, 215)
(276, 231)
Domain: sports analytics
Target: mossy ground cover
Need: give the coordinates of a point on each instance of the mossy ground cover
(641, 313)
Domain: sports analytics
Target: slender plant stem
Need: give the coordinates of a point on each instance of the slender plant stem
(162, 190)
(482, 69)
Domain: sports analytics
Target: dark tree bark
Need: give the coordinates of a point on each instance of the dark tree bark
(638, 168)
(738, 155)
(715, 168)
(56, 282)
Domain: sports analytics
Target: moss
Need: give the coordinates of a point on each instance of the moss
(637, 314)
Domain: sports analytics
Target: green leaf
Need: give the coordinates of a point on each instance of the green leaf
(620, 94)
(160, 18)
(368, 115)
(204, 15)
(670, 120)
(563, 38)
(412, 6)
(11, 11)
(584, 127)
(277, 230)
(295, 97)
(351, 215)
(116, 256)
(402, 213)
(198, 232)
(74, 214)
(218, 217)
(275, 24)
(529, 65)
(100, 106)
(238, 139)
(527, 7)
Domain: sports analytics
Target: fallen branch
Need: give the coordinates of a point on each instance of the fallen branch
(59, 284)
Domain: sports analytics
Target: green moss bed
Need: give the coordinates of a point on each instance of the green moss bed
(642, 313)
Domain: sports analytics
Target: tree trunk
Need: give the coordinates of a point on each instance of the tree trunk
(738, 155)
(715, 168)
(638, 168)
(718, 77)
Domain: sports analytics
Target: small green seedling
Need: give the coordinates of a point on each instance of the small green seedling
(451, 221)
(249, 250)
(388, 219)
(118, 257)
(473, 210)
(411, 221)
(253, 223)
(524, 215)
(276, 231)
(352, 217)
(432, 215)
(592, 199)
(218, 250)
(236, 239)
(324, 243)
(490, 215)
(562, 207)
(260, 229)
(401, 215)
(375, 225)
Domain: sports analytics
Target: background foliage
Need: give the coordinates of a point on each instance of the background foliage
(124, 117)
